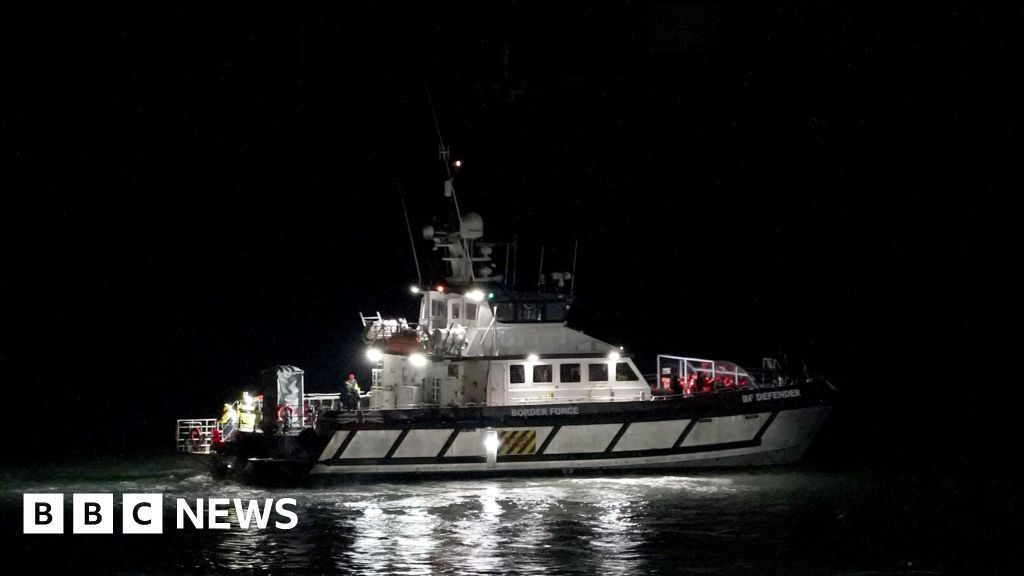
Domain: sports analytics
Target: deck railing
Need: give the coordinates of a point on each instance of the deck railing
(682, 369)
(195, 435)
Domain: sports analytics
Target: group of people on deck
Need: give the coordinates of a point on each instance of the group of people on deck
(697, 383)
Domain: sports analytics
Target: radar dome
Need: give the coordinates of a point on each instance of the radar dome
(472, 226)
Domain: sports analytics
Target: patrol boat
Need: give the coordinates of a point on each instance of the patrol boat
(490, 380)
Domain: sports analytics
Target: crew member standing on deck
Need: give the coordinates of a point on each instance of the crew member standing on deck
(350, 393)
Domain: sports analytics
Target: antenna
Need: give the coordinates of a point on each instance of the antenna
(515, 258)
(540, 273)
(572, 283)
(412, 243)
(508, 249)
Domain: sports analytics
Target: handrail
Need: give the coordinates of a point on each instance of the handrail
(186, 443)
(381, 328)
(687, 367)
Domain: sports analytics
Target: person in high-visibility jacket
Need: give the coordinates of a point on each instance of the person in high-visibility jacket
(228, 423)
(350, 393)
(230, 415)
(247, 415)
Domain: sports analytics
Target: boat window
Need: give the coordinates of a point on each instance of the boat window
(624, 372)
(455, 310)
(470, 311)
(437, 308)
(554, 312)
(517, 374)
(530, 311)
(599, 372)
(453, 370)
(527, 312)
(542, 373)
(569, 373)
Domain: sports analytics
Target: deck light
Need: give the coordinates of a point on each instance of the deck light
(374, 355)
(474, 295)
(491, 446)
(414, 289)
(491, 441)
(532, 357)
(614, 356)
(418, 360)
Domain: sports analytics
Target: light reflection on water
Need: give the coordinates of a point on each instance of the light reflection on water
(708, 523)
(467, 526)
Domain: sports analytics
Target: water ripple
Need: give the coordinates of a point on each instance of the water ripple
(651, 524)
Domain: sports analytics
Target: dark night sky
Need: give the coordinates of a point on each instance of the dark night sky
(197, 193)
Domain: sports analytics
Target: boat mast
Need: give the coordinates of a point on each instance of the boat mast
(449, 184)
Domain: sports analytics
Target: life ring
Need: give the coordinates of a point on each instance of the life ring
(284, 408)
(195, 437)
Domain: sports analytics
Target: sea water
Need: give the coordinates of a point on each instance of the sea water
(797, 520)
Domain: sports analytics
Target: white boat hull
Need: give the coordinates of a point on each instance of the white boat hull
(751, 439)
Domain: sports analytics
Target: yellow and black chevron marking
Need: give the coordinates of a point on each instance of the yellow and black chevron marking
(515, 442)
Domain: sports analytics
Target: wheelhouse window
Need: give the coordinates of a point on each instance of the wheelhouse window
(455, 311)
(624, 372)
(530, 311)
(517, 374)
(554, 312)
(470, 311)
(527, 312)
(598, 372)
(569, 373)
(437, 308)
(542, 373)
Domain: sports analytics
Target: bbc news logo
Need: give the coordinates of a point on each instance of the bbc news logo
(143, 513)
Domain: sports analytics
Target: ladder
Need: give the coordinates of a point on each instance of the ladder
(371, 319)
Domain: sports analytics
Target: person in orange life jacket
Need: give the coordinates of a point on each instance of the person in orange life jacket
(676, 386)
(701, 385)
